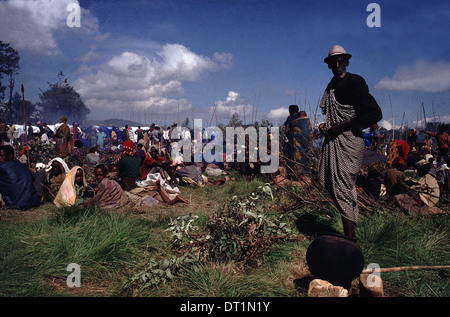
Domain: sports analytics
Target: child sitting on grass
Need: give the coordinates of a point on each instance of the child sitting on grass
(73, 189)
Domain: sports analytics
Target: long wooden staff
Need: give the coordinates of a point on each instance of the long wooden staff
(406, 268)
(25, 126)
(424, 117)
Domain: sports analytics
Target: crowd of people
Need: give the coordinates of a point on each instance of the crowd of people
(135, 168)
(119, 169)
(116, 167)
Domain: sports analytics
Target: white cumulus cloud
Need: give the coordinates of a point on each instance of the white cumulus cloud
(233, 104)
(181, 63)
(131, 81)
(33, 24)
(278, 114)
(421, 76)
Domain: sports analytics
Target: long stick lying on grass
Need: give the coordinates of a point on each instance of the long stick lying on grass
(405, 268)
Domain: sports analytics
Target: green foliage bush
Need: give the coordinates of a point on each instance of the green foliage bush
(238, 233)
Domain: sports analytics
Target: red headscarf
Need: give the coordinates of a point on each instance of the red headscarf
(25, 148)
(128, 148)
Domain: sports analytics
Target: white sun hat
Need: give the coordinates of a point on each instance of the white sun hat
(335, 51)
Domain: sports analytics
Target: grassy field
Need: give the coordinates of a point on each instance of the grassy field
(240, 239)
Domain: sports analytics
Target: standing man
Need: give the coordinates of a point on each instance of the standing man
(443, 143)
(114, 136)
(349, 108)
(412, 138)
(155, 135)
(11, 134)
(101, 136)
(63, 137)
(125, 136)
(30, 131)
(93, 138)
(375, 139)
(140, 133)
(75, 133)
(299, 146)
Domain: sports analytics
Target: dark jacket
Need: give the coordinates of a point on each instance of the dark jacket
(353, 90)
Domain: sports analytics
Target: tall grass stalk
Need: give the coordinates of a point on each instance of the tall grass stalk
(215, 280)
(400, 240)
(101, 243)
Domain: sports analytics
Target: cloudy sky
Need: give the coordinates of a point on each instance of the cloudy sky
(164, 60)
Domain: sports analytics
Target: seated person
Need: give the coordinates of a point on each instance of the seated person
(397, 148)
(154, 163)
(92, 156)
(427, 185)
(24, 155)
(394, 178)
(129, 165)
(56, 171)
(371, 183)
(16, 182)
(73, 189)
(77, 156)
(108, 194)
(415, 197)
(443, 178)
(113, 173)
(49, 179)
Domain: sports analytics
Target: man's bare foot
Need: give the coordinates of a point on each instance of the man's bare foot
(182, 200)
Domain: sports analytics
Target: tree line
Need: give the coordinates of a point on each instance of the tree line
(59, 98)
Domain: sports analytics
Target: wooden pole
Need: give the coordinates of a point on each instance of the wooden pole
(257, 106)
(401, 127)
(317, 108)
(405, 268)
(25, 123)
(165, 115)
(254, 105)
(393, 122)
(304, 106)
(434, 116)
(417, 121)
(424, 117)
(214, 112)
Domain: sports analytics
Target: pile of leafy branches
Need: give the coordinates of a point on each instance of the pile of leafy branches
(157, 272)
(239, 232)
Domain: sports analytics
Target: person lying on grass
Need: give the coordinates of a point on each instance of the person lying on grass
(109, 194)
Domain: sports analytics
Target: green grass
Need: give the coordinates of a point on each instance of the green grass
(222, 280)
(400, 240)
(111, 247)
(101, 243)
